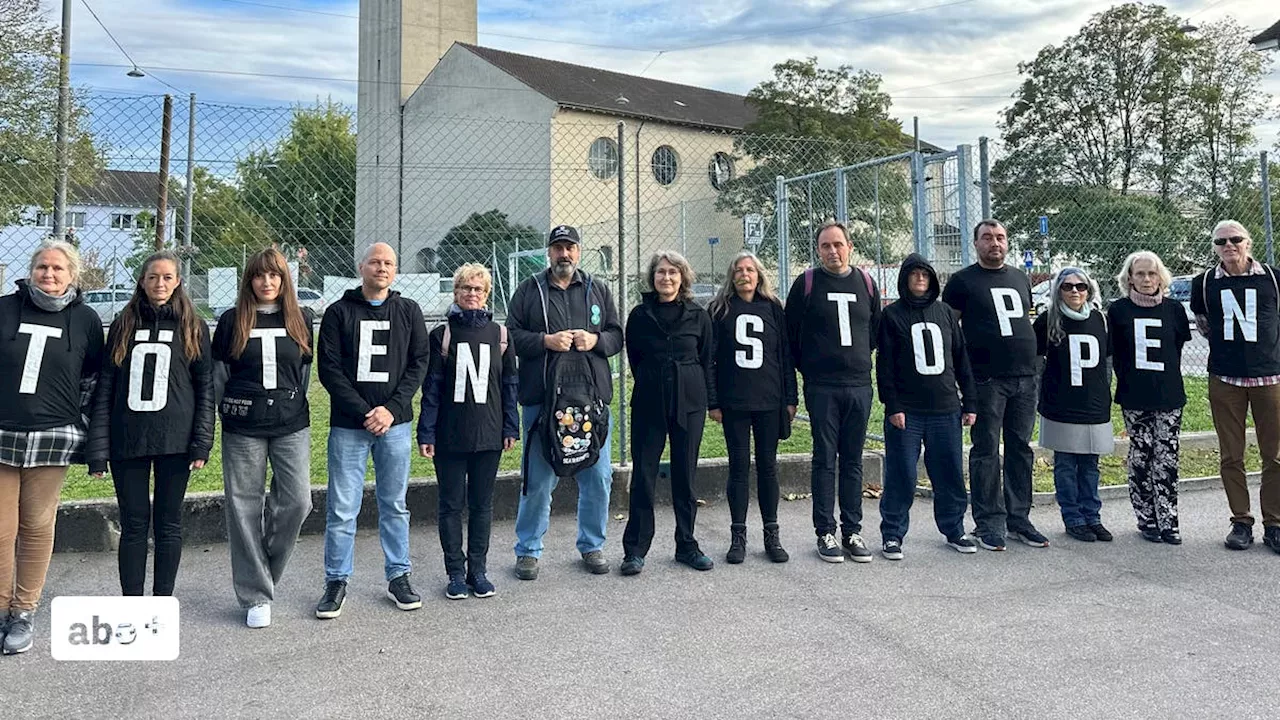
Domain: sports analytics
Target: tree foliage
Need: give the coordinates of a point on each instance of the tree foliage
(482, 238)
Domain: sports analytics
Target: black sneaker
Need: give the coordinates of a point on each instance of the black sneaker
(1081, 533)
(1271, 538)
(695, 559)
(828, 549)
(19, 632)
(1171, 536)
(1151, 534)
(330, 606)
(857, 548)
(1101, 532)
(962, 544)
(457, 588)
(1241, 536)
(892, 549)
(401, 593)
(480, 586)
(1030, 536)
(991, 542)
(631, 565)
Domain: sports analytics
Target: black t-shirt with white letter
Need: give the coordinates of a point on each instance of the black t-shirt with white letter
(993, 307)
(832, 330)
(1146, 350)
(1076, 385)
(1244, 322)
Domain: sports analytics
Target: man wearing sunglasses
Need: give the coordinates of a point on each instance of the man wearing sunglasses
(1237, 306)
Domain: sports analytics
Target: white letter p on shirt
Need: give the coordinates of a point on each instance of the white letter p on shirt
(366, 348)
(1008, 304)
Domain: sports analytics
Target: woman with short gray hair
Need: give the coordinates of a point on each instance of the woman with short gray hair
(49, 363)
(1147, 332)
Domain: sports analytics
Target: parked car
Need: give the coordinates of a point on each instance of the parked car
(107, 303)
(704, 293)
(1040, 297)
(1180, 290)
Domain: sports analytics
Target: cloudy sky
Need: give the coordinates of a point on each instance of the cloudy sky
(951, 62)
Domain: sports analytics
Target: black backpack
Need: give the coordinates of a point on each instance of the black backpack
(574, 420)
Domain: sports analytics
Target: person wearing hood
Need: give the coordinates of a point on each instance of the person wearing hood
(372, 360)
(670, 346)
(1075, 399)
(153, 411)
(469, 418)
(49, 364)
(263, 350)
(1147, 333)
(929, 394)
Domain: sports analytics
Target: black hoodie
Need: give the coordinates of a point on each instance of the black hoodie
(372, 355)
(155, 402)
(669, 350)
(46, 358)
(922, 357)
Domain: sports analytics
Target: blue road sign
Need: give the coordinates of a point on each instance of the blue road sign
(1028, 258)
(713, 241)
(1044, 224)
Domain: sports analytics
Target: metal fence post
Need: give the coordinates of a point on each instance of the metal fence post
(783, 232)
(622, 293)
(1268, 229)
(984, 179)
(963, 155)
(919, 215)
(842, 198)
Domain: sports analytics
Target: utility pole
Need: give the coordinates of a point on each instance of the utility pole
(64, 120)
(162, 201)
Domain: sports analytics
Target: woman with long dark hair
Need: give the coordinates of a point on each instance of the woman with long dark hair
(153, 410)
(669, 348)
(757, 395)
(49, 363)
(263, 351)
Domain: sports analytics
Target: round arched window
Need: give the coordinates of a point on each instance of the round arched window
(720, 170)
(602, 158)
(665, 165)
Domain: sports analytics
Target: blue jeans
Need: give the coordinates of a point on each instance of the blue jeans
(534, 516)
(943, 460)
(348, 460)
(1075, 482)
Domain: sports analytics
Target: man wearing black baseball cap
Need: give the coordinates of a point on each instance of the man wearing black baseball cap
(579, 314)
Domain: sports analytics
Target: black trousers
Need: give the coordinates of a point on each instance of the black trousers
(132, 479)
(466, 481)
(838, 416)
(739, 426)
(649, 435)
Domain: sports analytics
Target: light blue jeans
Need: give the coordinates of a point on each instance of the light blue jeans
(348, 460)
(594, 484)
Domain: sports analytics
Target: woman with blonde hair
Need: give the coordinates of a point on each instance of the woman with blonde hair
(49, 364)
(757, 395)
(1075, 399)
(153, 412)
(669, 349)
(1147, 332)
(264, 347)
(469, 418)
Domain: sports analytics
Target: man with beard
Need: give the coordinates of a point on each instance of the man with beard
(577, 314)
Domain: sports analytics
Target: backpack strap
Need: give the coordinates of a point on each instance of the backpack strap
(870, 283)
(808, 282)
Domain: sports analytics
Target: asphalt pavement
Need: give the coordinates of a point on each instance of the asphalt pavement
(1126, 629)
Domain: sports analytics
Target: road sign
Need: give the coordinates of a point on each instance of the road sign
(753, 229)
(1044, 224)
(1028, 258)
(713, 241)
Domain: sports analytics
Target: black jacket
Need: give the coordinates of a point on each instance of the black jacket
(372, 355)
(49, 362)
(453, 418)
(826, 350)
(922, 359)
(245, 402)
(155, 402)
(753, 369)
(672, 364)
(566, 310)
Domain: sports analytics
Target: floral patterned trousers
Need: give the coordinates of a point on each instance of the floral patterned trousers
(1153, 467)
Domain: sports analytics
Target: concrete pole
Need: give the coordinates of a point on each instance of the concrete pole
(64, 122)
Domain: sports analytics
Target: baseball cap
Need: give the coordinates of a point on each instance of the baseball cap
(563, 233)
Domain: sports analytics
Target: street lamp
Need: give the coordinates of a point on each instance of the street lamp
(136, 73)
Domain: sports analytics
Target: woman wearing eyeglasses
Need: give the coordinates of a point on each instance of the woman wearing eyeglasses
(468, 420)
(1237, 306)
(1075, 399)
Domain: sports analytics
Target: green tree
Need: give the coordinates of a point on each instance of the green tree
(29, 113)
(810, 119)
(304, 189)
(224, 228)
(479, 239)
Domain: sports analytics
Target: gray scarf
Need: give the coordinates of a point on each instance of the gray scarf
(1083, 314)
(52, 303)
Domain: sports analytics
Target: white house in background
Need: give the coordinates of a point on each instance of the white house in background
(104, 218)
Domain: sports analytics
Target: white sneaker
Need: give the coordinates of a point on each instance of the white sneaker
(259, 616)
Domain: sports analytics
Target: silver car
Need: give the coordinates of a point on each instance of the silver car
(107, 303)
